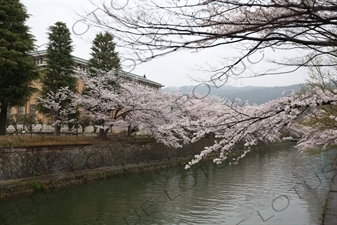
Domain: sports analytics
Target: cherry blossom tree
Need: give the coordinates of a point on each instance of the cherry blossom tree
(60, 106)
(175, 119)
(128, 105)
(163, 116)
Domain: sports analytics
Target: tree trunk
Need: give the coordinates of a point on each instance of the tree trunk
(57, 130)
(129, 130)
(103, 133)
(3, 117)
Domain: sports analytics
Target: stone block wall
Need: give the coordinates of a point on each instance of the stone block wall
(16, 163)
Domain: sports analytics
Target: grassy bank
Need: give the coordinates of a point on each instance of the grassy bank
(23, 140)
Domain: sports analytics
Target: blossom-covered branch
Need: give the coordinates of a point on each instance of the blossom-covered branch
(247, 125)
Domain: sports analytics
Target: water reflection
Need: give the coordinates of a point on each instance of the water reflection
(270, 187)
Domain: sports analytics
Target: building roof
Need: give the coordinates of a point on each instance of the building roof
(140, 78)
(38, 53)
(84, 61)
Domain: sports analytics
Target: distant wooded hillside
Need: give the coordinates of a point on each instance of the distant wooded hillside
(253, 94)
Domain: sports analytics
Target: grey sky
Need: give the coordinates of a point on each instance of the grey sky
(171, 70)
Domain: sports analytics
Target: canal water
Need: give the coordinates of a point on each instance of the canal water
(266, 187)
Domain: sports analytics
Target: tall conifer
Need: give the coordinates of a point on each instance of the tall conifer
(103, 56)
(17, 69)
(60, 67)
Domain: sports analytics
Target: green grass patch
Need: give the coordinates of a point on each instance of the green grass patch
(38, 186)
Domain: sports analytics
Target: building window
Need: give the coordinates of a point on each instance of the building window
(81, 67)
(21, 110)
(9, 111)
(38, 61)
(32, 109)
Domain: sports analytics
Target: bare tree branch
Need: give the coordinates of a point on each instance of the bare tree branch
(166, 26)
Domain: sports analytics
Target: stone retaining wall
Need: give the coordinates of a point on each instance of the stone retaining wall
(17, 163)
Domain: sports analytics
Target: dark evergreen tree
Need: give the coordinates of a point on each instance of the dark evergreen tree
(17, 69)
(60, 63)
(60, 67)
(103, 56)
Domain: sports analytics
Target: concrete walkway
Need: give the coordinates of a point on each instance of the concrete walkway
(331, 211)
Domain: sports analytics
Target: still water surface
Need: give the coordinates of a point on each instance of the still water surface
(269, 187)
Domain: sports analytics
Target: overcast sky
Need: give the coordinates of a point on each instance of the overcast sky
(172, 70)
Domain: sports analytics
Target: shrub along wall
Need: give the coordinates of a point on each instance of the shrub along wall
(16, 163)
